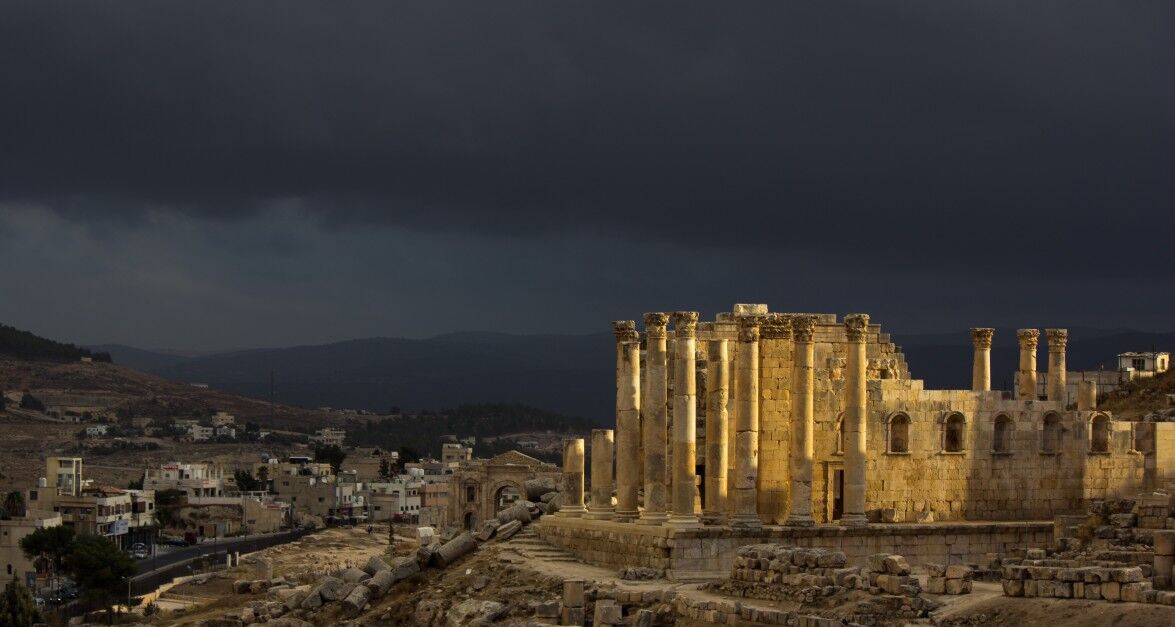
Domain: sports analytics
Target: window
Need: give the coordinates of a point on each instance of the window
(1099, 434)
(952, 433)
(470, 493)
(1002, 435)
(1050, 437)
(899, 434)
(1138, 363)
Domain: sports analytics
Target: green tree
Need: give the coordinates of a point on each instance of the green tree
(245, 481)
(385, 469)
(28, 401)
(16, 606)
(49, 545)
(100, 568)
(332, 455)
(13, 506)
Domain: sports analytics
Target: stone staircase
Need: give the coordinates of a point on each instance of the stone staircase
(528, 544)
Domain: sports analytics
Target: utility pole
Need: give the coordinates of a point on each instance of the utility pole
(272, 403)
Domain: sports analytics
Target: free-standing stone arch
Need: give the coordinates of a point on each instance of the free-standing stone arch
(484, 479)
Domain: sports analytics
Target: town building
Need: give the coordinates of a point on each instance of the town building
(330, 436)
(124, 516)
(97, 430)
(199, 433)
(453, 453)
(222, 419)
(1141, 365)
(13, 563)
(196, 479)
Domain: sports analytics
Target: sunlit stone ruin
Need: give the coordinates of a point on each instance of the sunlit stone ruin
(773, 453)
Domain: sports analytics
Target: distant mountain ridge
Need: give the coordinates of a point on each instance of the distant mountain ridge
(571, 374)
(24, 345)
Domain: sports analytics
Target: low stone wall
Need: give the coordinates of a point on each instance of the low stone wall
(1065, 579)
(710, 551)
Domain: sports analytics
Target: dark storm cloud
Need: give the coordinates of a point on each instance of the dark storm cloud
(948, 135)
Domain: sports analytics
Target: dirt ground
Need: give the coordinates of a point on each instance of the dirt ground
(524, 571)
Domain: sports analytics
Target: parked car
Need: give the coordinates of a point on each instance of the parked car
(138, 551)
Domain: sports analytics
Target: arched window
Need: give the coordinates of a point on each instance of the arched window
(1099, 434)
(1050, 437)
(840, 434)
(899, 434)
(952, 433)
(1001, 438)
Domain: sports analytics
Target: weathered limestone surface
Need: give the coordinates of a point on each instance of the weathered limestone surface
(775, 424)
(602, 453)
(746, 425)
(803, 383)
(981, 367)
(628, 422)
(1086, 395)
(855, 421)
(1058, 341)
(1028, 339)
(685, 410)
(572, 479)
(717, 429)
(655, 433)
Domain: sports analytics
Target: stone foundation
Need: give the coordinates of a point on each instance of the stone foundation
(709, 552)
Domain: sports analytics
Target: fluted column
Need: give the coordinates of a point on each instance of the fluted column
(855, 428)
(601, 504)
(685, 419)
(1058, 341)
(717, 418)
(1028, 339)
(981, 363)
(572, 479)
(655, 428)
(746, 425)
(803, 356)
(628, 421)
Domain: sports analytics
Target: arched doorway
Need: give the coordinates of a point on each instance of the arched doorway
(470, 521)
(506, 496)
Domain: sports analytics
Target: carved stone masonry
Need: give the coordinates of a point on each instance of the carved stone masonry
(748, 328)
(803, 327)
(1058, 338)
(981, 337)
(625, 331)
(775, 327)
(1028, 338)
(655, 322)
(685, 324)
(856, 325)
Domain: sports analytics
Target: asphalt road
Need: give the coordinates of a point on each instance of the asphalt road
(168, 556)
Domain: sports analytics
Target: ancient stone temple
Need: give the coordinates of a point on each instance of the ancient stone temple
(809, 428)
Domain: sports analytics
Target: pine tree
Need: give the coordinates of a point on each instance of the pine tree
(17, 607)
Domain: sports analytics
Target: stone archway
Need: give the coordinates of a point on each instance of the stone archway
(469, 523)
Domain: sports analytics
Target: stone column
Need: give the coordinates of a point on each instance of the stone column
(803, 356)
(1027, 375)
(685, 419)
(572, 479)
(717, 394)
(856, 422)
(628, 421)
(1058, 340)
(981, 364)
(1086, 395)
(746, 425)
(601, 505)
(655, 429)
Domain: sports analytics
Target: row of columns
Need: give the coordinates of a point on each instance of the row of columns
(1058, 340)
(731, 499)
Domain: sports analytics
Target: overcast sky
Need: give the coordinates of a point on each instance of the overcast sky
(212, 175)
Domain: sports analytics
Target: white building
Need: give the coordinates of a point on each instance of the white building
(200, 432)
(96, 431)
(226, 430)
(220, 419)
(1136, 365)
(199, 479)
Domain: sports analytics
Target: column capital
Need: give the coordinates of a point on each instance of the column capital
(774, 326)
(1058, 338)
(625, 331)
(803, 326)
(655, 322)
(856, 325)
(748, 328)
(685, 324)
(1028, 338)
(981, 337)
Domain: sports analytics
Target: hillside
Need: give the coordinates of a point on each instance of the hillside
(19, 344)
(150, 395)
(571, 374)
(1141, 396)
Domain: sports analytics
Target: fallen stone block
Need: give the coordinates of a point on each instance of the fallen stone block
(896, 565)
(475, 612)
(507, 531)
(375, 564)
(353, 575)
(453, 550)
(958, 571)
(354, 603)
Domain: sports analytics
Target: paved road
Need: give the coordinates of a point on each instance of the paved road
(167, 556)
